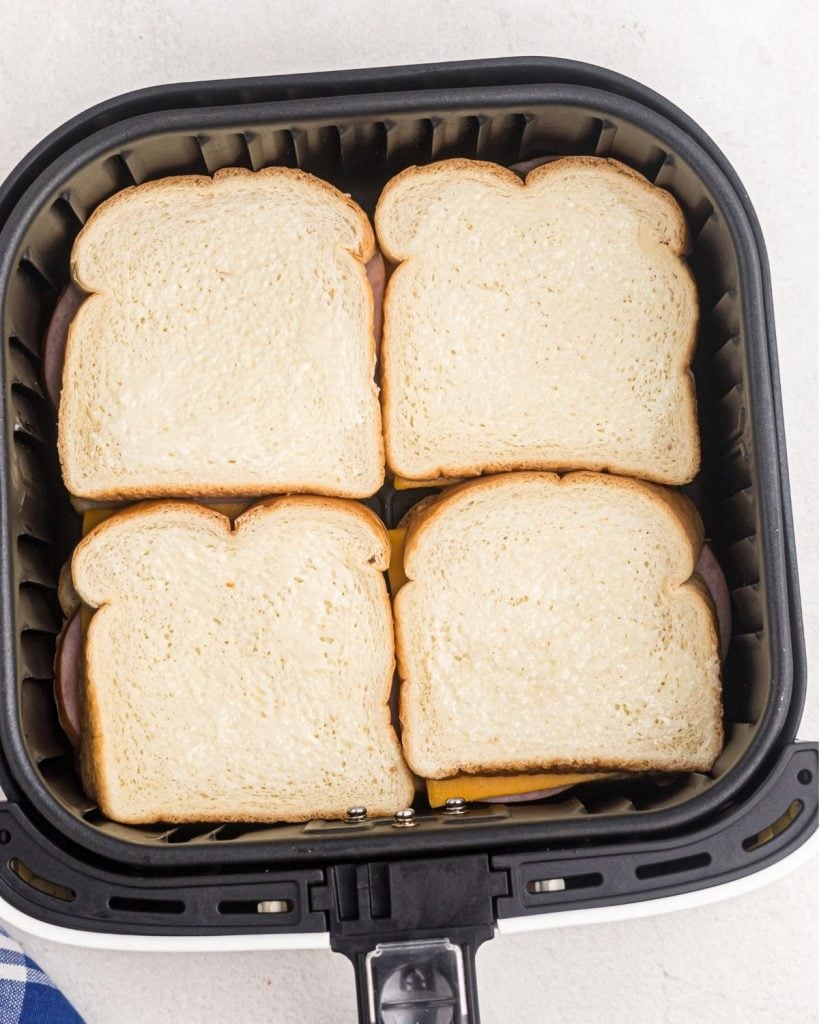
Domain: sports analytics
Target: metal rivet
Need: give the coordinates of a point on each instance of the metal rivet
(355, 814)
(455, 805)
(405, 818)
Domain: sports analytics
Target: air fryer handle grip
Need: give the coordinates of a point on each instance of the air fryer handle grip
(411, 928)
(426, 981)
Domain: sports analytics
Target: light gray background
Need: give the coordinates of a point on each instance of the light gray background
(745, 70)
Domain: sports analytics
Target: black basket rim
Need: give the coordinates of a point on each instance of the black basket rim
(379, 105)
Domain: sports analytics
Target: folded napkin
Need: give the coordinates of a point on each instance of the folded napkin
(27, 995)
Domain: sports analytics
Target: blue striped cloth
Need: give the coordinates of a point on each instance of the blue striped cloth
(27, 995)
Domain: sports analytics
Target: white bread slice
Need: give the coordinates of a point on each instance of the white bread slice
(545, 325)
(554, 623)
(239, 674)
(227, 346)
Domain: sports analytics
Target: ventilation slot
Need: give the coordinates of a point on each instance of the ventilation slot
(25, 369)
(162, 155)
(776, 828)
(60, 777)
(140, 905)
(43, 885)
(409, 142)
(363, 147)
(37, 516)
(741, 567)
(66, 208)
(43, 735)
(699, 217)
(542, 886)
(457, 136)
(729, 416)
(734, 472)
(654, 163)
(111, 175)
(616, 804)
(34, 570)
(256, 906)
(185, 833)
(247, 160)
(277, 148)
(32, 419)
(499, 137)
(319, 149)
(222, 150)
(722, 314)
(238, 830)
(673, 867)
(32, 273)
(126, 171)
(605, 140)
(726, 365)
(747, 605)
(546, 135)
(38, 610)
(37, 655)
(739, 509)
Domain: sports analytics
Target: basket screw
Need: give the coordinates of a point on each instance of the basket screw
(455, 805)
(355, 814)
(405, 818)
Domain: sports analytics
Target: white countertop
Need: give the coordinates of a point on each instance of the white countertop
(746, 70)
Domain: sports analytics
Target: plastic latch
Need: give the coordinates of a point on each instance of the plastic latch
(408, 982)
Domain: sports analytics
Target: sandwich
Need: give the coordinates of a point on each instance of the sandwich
(235, 671)
(555, 625)
(545, 323)
(225, 345)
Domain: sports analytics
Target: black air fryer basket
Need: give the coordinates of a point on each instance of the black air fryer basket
(409, 905)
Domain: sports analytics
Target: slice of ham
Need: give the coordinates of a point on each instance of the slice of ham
(67, 678)
(56, 336)
(519, 798)
(709, 569)
(377, 276)
(53, 350)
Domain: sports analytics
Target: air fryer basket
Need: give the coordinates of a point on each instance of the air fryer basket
(608, 843)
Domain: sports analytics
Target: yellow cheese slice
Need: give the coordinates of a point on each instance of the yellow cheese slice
(395, 572)
(93, 517)
(402, 484)
(487, 787)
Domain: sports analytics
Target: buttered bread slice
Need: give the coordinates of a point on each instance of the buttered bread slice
(238, 673)
(554, 624)
(540, 325)
(226, 346)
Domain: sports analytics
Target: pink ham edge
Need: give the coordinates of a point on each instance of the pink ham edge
(518, 798)
(377, 276)
(709, 569)
(55, 340)
(67, 678)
